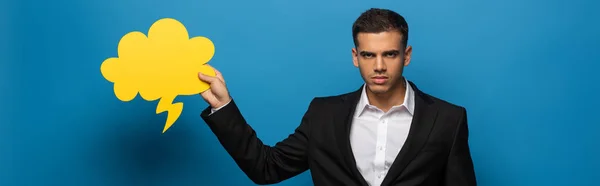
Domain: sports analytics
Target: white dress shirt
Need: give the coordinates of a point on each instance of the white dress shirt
(377, 137)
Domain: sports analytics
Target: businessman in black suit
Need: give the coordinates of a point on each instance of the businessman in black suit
(387, 132)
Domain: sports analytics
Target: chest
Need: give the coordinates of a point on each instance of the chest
(375, 133)
(376, 139)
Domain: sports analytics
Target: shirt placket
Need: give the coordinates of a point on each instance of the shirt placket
(379, 162)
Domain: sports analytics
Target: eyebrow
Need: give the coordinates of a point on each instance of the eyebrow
(391, 52)
(366, 52)
(385, 52)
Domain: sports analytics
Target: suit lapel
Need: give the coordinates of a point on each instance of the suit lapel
(421, 125)
(342, 121)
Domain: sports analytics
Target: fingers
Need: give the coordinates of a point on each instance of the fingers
(218, 73)
(205, 78)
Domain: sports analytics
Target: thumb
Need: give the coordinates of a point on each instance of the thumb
(206, 78)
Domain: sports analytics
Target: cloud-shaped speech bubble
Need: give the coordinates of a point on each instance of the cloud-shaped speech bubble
(161, 66)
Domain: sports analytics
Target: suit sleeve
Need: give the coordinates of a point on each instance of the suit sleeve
(459, 168)
(263, 164)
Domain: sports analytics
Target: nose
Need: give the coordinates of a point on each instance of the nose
(380, 65)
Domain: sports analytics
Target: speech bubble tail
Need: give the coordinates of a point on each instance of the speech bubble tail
(173, 110)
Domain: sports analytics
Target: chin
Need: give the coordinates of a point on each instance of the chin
(378, 89)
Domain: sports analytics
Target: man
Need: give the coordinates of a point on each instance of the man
(388, 132)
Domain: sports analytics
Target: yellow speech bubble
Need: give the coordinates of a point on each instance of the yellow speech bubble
(162, 66)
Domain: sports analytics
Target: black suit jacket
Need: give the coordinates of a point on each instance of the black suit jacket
(435, 153)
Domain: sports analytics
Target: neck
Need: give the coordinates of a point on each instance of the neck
(385, 101)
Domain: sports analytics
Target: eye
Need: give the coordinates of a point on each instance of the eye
(391, 54)
(368, 55)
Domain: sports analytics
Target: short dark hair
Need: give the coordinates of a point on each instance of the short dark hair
(377, 20)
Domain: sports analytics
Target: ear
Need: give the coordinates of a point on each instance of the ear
(355, 57)
(407, 54)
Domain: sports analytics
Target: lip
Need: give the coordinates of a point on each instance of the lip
(379, 79)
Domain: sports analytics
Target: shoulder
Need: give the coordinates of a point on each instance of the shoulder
(439, 103)
(443, 104)
(446, 111)
(334, 101)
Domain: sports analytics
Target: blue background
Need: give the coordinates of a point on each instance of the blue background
(525, 70)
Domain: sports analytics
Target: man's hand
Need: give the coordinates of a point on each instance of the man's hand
(217, 95)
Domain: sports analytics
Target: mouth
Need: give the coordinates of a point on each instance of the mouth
(379, 79)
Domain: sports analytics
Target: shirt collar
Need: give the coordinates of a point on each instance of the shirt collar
(409, 99)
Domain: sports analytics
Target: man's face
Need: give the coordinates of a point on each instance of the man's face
(381, 58)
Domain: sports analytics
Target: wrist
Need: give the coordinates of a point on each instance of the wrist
(221, 105)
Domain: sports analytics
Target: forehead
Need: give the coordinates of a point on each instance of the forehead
(379, 42)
